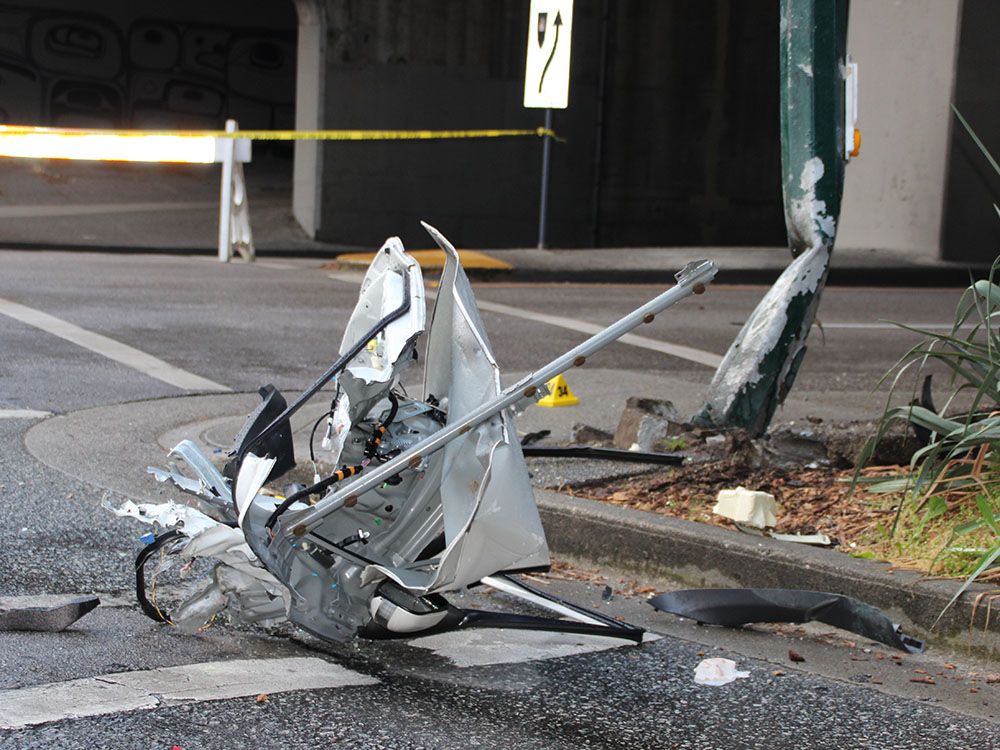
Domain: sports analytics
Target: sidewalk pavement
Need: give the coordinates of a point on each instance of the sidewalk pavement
(155, 209)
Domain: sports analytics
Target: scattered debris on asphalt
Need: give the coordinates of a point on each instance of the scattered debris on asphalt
(49, 613)
(716, 672)
(738, 607)
(431, 494)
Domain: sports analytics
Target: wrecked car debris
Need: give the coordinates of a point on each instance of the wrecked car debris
(50, 613)
(429, 496)
(736, 607)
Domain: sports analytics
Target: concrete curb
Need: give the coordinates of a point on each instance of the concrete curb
(929, 275)
(698, 555)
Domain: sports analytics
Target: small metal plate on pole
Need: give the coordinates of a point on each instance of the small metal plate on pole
(546, 77)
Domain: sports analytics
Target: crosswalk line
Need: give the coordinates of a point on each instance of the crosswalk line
(480, 648)
(148, 689)
(24, 414)
(108, 347)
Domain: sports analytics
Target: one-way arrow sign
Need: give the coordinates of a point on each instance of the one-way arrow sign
(546, 75)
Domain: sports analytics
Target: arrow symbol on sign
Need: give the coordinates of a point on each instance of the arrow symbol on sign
(558, 22)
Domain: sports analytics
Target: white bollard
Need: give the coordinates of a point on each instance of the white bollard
(228, 150)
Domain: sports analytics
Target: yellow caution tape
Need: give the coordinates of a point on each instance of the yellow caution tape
(290, 135)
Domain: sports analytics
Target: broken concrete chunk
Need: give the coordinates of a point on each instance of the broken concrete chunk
(645, 422)
(748, 507)
(584, 434)
(796, 447)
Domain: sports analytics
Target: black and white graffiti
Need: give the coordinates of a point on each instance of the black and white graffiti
(86, 69)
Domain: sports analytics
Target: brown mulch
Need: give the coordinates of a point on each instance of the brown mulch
(811, 500)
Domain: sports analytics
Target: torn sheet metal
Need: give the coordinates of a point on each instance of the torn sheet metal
(421, 496)
(168, 515)
(737, 607)
(50, 613)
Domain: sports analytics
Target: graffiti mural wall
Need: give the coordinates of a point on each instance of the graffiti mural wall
(130, 64)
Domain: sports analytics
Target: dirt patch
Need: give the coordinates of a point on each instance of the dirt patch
(811, 500)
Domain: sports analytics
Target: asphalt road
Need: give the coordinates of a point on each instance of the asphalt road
(240, 326)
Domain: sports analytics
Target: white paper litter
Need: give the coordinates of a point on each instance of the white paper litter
(716, 672)
(819, 540)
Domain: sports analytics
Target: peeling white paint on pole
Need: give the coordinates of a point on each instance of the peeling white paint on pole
(761, 334)
(764, 329)
(807, 216)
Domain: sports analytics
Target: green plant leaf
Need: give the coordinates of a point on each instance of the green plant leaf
(987, 562)
(936, 506)
(933, 422)
(890, 485)
(975, 138)
(987, 513)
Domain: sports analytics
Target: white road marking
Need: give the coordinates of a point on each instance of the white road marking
(887, 326)
(115, 350)
(699, 356)
(239, 261)
(348, 277)
(92, 209)
(479, 648)
(23, 414)
(148, 689)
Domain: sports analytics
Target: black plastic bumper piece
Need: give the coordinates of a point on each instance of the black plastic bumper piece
(736, 607)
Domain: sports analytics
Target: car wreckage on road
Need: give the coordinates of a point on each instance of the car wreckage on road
(431, 495)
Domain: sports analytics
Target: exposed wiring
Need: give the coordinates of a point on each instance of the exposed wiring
(326, 415)
(150, 608)
(344, 472)
(335, 369)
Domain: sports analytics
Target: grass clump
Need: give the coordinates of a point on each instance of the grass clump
(951, 495)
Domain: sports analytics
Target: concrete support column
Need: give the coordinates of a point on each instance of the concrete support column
(310, 86)
(894, 192)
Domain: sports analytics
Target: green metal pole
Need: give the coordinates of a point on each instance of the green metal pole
(760, 367)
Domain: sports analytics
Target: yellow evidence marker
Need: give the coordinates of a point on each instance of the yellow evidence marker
(559, 393)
